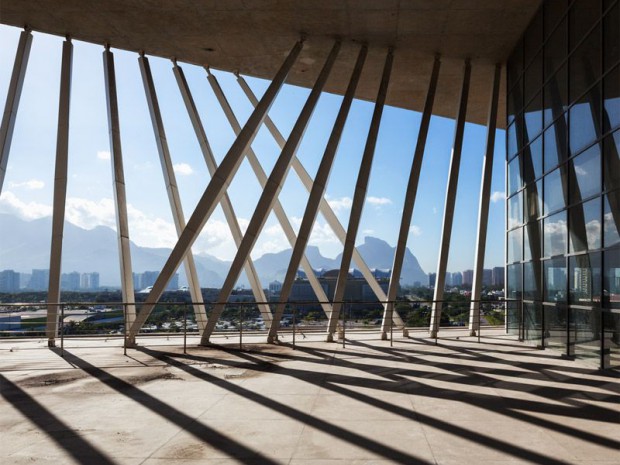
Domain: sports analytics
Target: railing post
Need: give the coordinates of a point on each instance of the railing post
(185, 328)
(479, 320)
(62, 330)
(124, 307)
(241, 327)
(294, 326)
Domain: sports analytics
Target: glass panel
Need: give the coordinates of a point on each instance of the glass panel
(555, 145)
(533, 79)
(513, 318)
(585, 334)
(531, 281)
(584, 65)
(513, 287)
(554, 191)
(582, 124)
(513, 144)
(532, 161)
(554, 280)
(533, 117)
(611, 279)
(585, 226)
(611, 340)
(556, 95)
(555, 233)
(611, 38)
(515, 245)
(611, 219)
(515, 211)
(515, 65)
(611, 173)
(555, 326)
(532, 39)
(514, 175)
(585, 279)
(532, 243)
(583, 15)
(554, 11)
(533, 201)
(556, 48)
(532, 322)
(585, 175)
(611, 100)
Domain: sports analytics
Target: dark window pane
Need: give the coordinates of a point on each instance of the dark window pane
(532, 242)
(611, 37)
(532, 161)
(611, 219)
(513, 143)
(515, 65)
(515, 245)
(585, 334)
(533, 201)
(585, 226)
(555, 145)
(514, 175)
(532, 39)
(611, 280)
(585, 174)
(513, 287)
(554, 192)
(611, 149)
(532, 322)
(611, 100)
(533, 117)
(554, 280)
(533, 78)
(515, 210)
(583, 130)
(531, 281)
(585, 65)
(585, 278)
(555, 233)
(555, 326)
(556, 96)
(556, 48)
(554, 11)
(583, 14)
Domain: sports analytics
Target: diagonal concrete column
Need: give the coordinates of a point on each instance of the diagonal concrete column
(289, 232)
(410, 196)
(359, 196)
(12, 100)
(171, 187)
(317, 192)
(324, 207)
(60, 191)
(271, 191)
(216, 189)
(485, 197)
(229, 212)
(448, 215)
(120, 197)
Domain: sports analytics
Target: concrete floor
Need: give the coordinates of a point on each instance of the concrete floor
(460, 402)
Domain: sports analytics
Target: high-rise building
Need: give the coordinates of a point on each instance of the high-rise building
(39, 280)
(468, 277)
(498, 276)
(432, 279)
(70, 281)
(457, 278)
(9, 281)
(487, 277)
(89, 281)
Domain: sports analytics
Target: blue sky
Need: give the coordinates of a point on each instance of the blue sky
(28, 185)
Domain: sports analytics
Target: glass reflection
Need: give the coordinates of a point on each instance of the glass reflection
(554, 192)
(513, 286)
(585, 334)
(531, 239)
(585, 278)
(584, 65)
(556, 95)
(514, 175)
(534, 117)
(555, 233)
(533, 201)
(532, 161)
(531, 281)
(585, 226)
(611, 37)
(611, 220)
(515, 245)
(585, 174)
(611, 149)
(555, 145)
(555, 326)
(611, 102)
(611, 280)
(515, 211)
(532, 321)
(554, 280)
(582, 125)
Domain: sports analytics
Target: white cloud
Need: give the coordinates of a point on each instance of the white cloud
(378, 201)
(342, 203)
(11, 204)
(31, 184)
(415, 230)
(580, 171)
(368, 231)
(497, 196)
(434, 210)
(182, 169)
(103, 155)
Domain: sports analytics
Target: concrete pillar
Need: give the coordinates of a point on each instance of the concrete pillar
(359, 196)
(171, 187)
(485, 197)
(410, 196)
(317, 192)
(120, 197)
(60, 191)
(215, 189)
(270, 192)
(12, 100)
(448, 215)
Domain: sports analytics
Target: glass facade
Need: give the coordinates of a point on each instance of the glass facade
(563, 180)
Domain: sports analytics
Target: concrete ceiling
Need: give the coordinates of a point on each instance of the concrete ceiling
(253, 36)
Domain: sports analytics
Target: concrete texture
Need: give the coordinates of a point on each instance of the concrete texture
(254, 37)
(460, 402)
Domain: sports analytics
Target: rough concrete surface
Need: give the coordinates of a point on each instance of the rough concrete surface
(458, 402)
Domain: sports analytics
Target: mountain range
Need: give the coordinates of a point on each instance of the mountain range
(25, 245)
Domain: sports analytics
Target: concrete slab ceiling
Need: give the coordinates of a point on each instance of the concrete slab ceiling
(254, 36)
